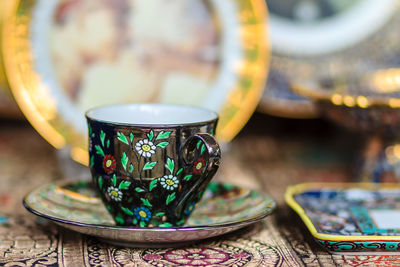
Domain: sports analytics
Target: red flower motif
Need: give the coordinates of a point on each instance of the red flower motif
(109, 164)
(199, 166)
(240, 255)
(152, 257)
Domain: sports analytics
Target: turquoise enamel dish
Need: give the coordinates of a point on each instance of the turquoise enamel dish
(353, 218)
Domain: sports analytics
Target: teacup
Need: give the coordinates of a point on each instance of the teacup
(151, 163)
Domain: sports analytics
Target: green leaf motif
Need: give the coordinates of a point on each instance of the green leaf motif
(149, 165)
(198, 144)
(135, 221)
(102, 137)
(170, 198)
(180, 222)
(90, 129)
(153, 184)
(114, 180)
(124, 160)
(203, 147)
(163, 144)
(119, 219)
(139, 190)
(91, 161)
(130, 167)
(167, 224)
(170, 165)
(179, 171)
(108, 143)
(142, 224)
(150, 135)
(121, 137)
(146, 202)
(99, 150)
(160, 214)
(127, 211)
(131, 136)
(187, 177)
(124, 185)
(163, 135)
(100, 181)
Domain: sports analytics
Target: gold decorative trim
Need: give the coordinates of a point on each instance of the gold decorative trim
(30, 93)
(291, 191)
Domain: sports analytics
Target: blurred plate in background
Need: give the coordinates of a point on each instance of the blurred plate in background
(323, 38)
(63, 57)
(8, 108)
(278, 99)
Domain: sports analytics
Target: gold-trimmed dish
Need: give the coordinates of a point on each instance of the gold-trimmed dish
(63, 57)
(8, 107)
(349, 218)
(328, 39)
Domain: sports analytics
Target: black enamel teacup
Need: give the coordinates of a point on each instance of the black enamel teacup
(151, 163)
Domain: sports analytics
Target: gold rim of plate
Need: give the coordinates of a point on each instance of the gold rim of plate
(291, 191)
(31, 93)
(384, 82)
(287, 108)
(338, 98)
(361, 72)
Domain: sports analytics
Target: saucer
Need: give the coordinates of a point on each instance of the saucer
(353, 218)
(75, 206)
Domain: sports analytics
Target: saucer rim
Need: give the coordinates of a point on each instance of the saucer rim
(272, 205)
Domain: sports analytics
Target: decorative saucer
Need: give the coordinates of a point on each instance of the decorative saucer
(353, 218)
(224, 208)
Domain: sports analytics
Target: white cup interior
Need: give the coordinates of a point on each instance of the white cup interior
(154, 114)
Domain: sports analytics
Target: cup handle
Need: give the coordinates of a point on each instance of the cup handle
(212, 158)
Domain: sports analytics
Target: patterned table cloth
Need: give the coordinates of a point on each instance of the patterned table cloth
(262, 160)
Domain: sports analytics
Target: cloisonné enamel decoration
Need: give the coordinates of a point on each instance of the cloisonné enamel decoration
(359, 218)
(152, 169)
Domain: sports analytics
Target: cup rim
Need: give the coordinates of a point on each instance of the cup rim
(156, 125)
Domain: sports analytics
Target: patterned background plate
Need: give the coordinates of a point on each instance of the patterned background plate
(278, 99)
(359, 218)
(326, 39)
(224, 208)
(63, 57)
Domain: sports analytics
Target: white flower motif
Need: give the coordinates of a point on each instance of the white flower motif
(114, 193)
(169, 182)
(145, 148)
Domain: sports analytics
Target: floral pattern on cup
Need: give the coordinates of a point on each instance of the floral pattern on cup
(139, 154)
